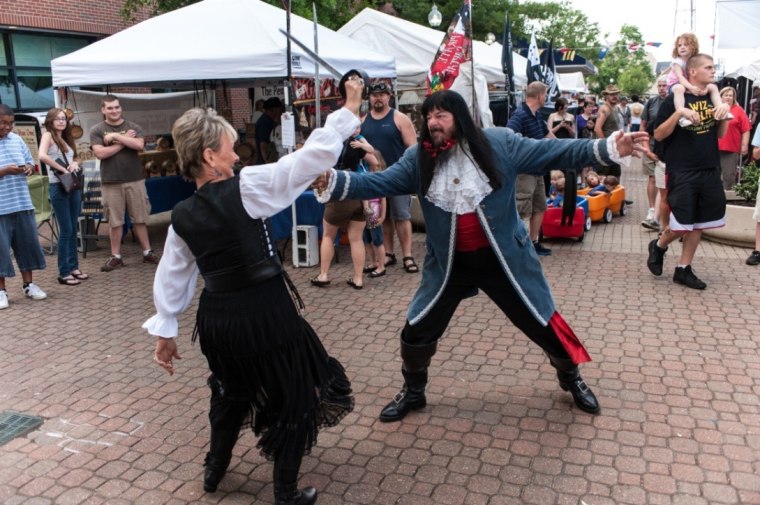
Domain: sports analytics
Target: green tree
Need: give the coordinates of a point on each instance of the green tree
(629, 70)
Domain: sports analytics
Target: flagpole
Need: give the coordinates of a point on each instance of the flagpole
(475, 115)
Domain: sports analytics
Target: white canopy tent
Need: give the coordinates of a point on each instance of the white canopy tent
(738, 22)
(749, 71)
(572, 82)
(414, 47)
(236, 41)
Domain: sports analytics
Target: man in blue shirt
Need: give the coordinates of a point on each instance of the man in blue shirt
(18, 228)
(530, 190)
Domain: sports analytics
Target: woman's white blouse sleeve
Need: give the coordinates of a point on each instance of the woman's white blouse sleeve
(268, 189)
(173, 286)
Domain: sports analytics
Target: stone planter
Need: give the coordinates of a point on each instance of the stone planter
(739, 230)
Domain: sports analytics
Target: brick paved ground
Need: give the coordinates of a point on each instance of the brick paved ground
(677, 372)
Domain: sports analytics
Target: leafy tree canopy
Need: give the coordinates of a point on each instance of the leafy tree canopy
(629, 70)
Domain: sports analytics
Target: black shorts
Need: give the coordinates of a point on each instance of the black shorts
(696, 198)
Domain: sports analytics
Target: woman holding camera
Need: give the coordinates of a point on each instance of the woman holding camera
(561, 123)
(58, 153)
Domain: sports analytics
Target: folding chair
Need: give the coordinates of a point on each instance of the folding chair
(43, 211)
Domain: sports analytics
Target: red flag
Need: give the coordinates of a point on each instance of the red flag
(455, 49)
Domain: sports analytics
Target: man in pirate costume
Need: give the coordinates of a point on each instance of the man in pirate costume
(267, 365)
(464, 177)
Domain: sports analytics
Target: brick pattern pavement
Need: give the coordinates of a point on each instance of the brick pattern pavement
(677, 373)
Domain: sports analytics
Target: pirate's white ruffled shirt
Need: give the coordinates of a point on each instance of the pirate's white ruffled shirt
(458, 184)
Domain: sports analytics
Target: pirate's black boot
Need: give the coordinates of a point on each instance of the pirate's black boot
(416, 360)
(570, 380)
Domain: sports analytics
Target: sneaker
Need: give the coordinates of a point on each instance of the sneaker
(541, 250)
(685, 276)
(34, 292)
(151, 257)
(651, 224)
(3, 299)
(656, 258)
(754, 259)
(112, 264)
(683, 122)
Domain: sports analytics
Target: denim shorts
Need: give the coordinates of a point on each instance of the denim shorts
(18, 231)
(400, 207)
(373, 236)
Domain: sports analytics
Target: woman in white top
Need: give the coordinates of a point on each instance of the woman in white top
(58, 153)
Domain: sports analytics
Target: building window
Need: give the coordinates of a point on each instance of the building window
(26, 83)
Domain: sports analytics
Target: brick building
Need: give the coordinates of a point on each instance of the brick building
(34, 32)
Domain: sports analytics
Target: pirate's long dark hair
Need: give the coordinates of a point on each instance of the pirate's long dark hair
(466, 130)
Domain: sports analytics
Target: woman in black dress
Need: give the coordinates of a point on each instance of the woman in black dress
(268, 367)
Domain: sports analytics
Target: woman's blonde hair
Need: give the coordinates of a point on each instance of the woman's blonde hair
(691, 41)
(194, 132)
(727, 89)
(381, 164)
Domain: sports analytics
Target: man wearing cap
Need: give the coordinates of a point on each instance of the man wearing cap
(608, 122)
(391, 132)
(265, 149)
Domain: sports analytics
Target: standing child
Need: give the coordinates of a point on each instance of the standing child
(687, 46)
(375, 209)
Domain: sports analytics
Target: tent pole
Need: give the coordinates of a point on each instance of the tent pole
(317, 88)
(289, 109)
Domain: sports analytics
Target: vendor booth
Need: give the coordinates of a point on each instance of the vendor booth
(210, 45)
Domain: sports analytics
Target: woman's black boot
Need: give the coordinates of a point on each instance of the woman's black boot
(286, 490)
(226, 418)
(570, 380)
(414, 368)
(218, 458)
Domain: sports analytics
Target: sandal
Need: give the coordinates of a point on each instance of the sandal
(369, 269)
(374, 274)
(78, 274)
(320, 284)
(354, 285)
(69, 280)
(409, 265)
(392, 261)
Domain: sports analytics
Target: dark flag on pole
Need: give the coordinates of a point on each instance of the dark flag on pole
(507, 66)
(455, 49)
(533, 71)
(550, 74)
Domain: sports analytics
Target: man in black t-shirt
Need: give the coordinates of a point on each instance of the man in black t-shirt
(695, 191)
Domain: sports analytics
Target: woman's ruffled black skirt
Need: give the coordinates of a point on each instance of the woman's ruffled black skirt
(262, 352)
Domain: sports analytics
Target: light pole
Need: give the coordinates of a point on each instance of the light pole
(435, 17)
